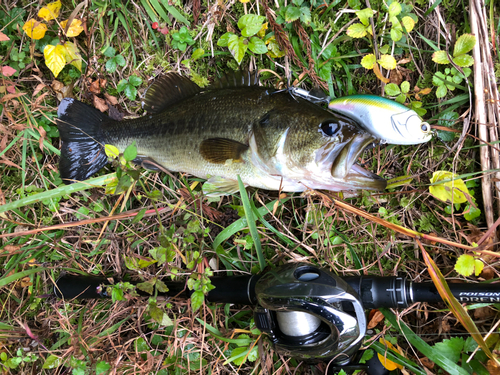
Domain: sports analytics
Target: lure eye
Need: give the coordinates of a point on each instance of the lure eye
(425, 127)
(330, 128)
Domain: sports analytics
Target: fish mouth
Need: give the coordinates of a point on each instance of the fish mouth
(344, 166)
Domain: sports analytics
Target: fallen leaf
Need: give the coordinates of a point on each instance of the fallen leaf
(11, 89)
(492, 367)
(50, 11)
(427, 363)
(34, 29)
(379, 75)
(389, 365)
(95, 88)
(7, 71)
(74, 29)
(111, 99)
(375, 319)
(114, 113)
(43, 134)
(404, 61)
(100, 104)
(483, 313)
(38, 88)
(3, 37)
(452, 191)
(9, 249)
(55, 58)
(25, 281)
(396, 77)
(487, 273)
(8, 162)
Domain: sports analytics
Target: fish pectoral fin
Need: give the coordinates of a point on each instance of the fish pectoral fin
(220, 150)
(217, 186)
(149, 163)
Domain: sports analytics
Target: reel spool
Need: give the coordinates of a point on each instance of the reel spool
(303, 308)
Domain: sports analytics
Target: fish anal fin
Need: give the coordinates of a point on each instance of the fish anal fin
(216, 186)
(222, 150)
(168, 90)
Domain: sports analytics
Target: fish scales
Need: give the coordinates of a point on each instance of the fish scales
(272, 140)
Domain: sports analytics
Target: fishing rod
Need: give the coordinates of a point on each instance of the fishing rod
(307, 312)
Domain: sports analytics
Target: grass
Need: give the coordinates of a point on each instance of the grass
(161, 227)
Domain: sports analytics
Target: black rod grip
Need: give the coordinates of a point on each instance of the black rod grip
(228, 289)
(463, 292)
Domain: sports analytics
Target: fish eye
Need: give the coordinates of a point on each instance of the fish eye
(425, 127)
(329, 128)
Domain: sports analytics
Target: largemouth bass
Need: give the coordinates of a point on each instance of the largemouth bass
(271, 139)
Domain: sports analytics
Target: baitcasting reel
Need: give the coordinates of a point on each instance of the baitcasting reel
(302, 309)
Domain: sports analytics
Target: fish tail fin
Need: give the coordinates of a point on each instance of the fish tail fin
(82, 140)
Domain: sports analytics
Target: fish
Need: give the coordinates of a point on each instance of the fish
(271, 139)
(387, 120)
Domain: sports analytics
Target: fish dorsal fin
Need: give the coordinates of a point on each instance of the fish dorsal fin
(238, 78)
(167, 90)
(222, 150)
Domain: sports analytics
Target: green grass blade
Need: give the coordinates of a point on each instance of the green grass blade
(251, 224)
(60, 192)
(161, 12)
(433, 6)
(19, 275)
(427, 350)
(397, 358)
(175, 13)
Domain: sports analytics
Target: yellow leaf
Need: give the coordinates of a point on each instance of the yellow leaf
(51, 11)
(111, 151)
(244, 1)
(408, 23)
(478, 267)
(262, 31)
(34, 29)
(55, 58)
(387, 61)
(72, 55)
(368, 61)
(74, 29)
(452, 191)
(389, 365)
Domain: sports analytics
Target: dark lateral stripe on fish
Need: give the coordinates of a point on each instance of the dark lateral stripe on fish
(82, 140)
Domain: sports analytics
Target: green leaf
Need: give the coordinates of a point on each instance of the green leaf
(52, 362)
(257, 45)
(405, 87)
(451, 348)
(134, 80)
(147, 286)
(237, 47)
(392, 89)
(440, 57)
(463, 60)
(224, 39)
(357, 30)
(449, 191)
(111, 65)
(250, 24)
(387, 62)
(197, 53)
(110, 52)
(396, 34)
(159, 316)
(120, 60)
(401, 98)
(367, 355)
(471, 212)
(305, 15)
(130, 92)
(394, 9)
(365, 15)
(102, 367)
(238, 356)
(197, 299)
(121, 85)
(292, 13)
(441, 91)
(160, 285)
(130, 152)
(369, 61)
(464, 44)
